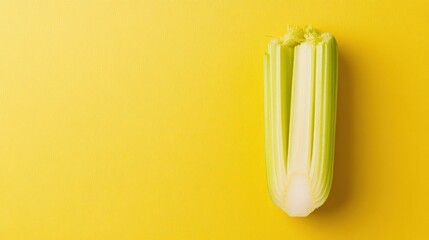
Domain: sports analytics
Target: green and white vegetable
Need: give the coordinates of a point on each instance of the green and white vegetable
(301, 71)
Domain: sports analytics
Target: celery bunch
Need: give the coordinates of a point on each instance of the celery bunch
(300, 109)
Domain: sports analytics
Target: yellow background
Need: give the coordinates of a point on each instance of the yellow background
(144, 120)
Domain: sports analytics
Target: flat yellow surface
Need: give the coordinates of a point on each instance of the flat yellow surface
(144, 120)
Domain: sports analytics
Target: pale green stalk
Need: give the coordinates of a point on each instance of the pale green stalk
(300, 109)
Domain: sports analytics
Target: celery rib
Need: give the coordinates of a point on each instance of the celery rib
(300, 109)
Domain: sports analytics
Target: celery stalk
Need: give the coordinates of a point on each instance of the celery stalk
(300, 109)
